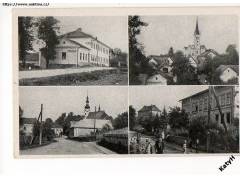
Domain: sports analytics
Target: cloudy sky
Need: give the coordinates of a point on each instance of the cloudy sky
(160, 95)
(162, 32)
(112, 30)
(57, 100)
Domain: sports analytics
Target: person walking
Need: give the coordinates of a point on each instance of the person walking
(148, 147)
(159, 146)
(185, 147)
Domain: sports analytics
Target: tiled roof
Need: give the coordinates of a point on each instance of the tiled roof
(162, 59)
(101, 115)
(28, 120)
(80, 34)
(222, 68)
(149, 108)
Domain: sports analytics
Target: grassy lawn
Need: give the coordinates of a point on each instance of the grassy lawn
(100, 77)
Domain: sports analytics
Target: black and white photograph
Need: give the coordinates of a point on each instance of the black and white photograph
(184, 119)
(72, 51)
(73, 121)
(183, 50)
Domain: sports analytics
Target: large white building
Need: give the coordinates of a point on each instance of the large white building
(80, 49)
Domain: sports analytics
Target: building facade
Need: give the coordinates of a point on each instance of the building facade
(27, 125)
(80, 49)
(148, 112)
(196, 105)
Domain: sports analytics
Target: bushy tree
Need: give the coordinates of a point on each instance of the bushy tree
(121, 121)
(25, 37)
(47, 31)
(178, 118)
(232, 55)
(182, 69)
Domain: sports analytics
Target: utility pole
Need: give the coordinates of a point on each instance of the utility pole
(40, 134)
(209, 117)
(95, 123)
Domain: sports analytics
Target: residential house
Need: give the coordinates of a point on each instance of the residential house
(228, 72)
(148, 112)
(26, 125)
(196, 105)
(79, 49)
(157, 78)
(162, 63)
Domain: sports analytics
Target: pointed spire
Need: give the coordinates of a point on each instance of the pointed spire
(197, 32)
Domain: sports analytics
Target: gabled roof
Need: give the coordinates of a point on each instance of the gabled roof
(78, 33)
(205, 53)
(79, 44)
(100, 115)
(162, 59)
(149, 108)
(222, 68)
(28, 120)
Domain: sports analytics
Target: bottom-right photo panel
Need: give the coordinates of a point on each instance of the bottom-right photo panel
(183, 119)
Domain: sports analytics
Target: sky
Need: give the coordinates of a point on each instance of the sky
(162, 32)
(111, 30)
(160, 96)
(58, 100)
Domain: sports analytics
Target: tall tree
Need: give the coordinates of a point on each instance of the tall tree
(136, 55)
(182, 69)
(232, 54)
(178, 118)
(121, 121)
(132, 117)
(47, 31)
(25, 37)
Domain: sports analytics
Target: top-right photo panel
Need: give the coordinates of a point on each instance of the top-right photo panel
(183, 50)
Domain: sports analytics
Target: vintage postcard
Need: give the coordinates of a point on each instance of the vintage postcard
(114, 81)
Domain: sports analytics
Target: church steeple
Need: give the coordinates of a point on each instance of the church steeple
(87, 106)
(197, 32)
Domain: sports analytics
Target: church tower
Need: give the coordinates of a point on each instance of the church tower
(87, 107)
(197, 40)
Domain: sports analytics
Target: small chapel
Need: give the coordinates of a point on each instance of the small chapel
(92, 122)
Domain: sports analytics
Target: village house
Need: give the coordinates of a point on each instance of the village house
(26, 125)
(196, 105)
(228, 72)
(79, 48)
(162, 63)
(91, 123)
(148, 112)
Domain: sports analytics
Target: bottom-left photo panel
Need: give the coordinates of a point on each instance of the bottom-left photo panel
(72, 121)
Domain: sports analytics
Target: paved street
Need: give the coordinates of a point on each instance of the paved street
(55, 72)
(65, 146)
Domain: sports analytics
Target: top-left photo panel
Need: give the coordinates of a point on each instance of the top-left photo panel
(72, 50)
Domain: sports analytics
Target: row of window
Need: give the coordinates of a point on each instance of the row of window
(87, 57)
(226, 116)
(99, 48)
(202, 104)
